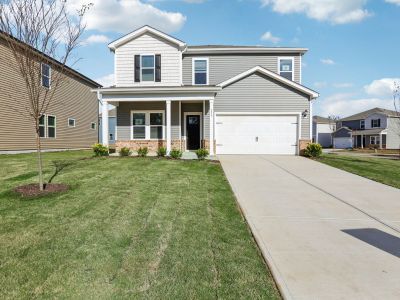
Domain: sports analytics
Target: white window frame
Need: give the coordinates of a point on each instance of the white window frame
(286, 58)
(362, 124)
(193, 70)
(372, 123)
(41, 75)
(376, 139)
(72, 119)
(95, 125)
(47, 127)
(154, 68)
(147, 124)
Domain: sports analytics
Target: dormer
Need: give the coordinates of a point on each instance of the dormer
(147, 57)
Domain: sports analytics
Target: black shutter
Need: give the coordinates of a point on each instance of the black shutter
(158, 68)
(137, 68)
(379, 122)
(372, 123)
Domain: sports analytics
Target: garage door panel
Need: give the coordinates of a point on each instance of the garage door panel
(256, 134)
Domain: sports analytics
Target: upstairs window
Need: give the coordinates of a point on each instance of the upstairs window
(200, 71)
(71, 122)
(51, 126)
(148, 68)
(362, 124)
(375, 123)
(42, 126)
(46, 75)
(286, 67)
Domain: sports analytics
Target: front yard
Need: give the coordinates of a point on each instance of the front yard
(383, 170)
(128, 228)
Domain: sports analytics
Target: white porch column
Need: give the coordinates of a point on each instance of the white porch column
(168, 112)
(104, 120)
(362, 141)
(380, 141)
(212, 127)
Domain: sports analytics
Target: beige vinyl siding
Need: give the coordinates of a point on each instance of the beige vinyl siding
(259, 93)
(124, 117)
(73, 99)
(393, 133)
(223, 67)
(147, 44)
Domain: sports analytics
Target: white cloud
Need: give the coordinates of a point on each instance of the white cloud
(397, 2)
(106, 81)
(334, 11)
(344, 104)
(381, 87)
(268, 37)
(327, 61)
(95, 38)
(126, 15)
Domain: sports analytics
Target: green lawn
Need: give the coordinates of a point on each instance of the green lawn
(128, 228)
(383, 170)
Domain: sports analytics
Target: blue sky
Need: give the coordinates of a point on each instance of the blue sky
(354, 44)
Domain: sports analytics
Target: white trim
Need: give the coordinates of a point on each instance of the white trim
(105, 124)
(54, 126)
(131, 36)
(185, 114)
(158, 89)
(212, 127)
(154, 68)
(181, 68)
(375, 137)
(194, 59)
(147, 125)
(160, 98)
(169, 131)
(235, 50)
(298, 114)
(279, 64)
(310, 115)
(273, 75)
(115, 69)
(301, 69)
(180, 121)
(73, 119)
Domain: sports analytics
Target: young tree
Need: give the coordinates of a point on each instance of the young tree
(38, 31)
(396, 103)
(333, 119)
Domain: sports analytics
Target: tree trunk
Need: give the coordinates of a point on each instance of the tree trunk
(40, 166)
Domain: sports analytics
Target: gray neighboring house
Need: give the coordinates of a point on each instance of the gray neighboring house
(112, 123)
(323, 129)
(228, 99)
(374, 128)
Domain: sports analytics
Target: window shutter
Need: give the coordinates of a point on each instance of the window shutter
(158, 68)
(137, 68)
(379, 122)
(372, 123)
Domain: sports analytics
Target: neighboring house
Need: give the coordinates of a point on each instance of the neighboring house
(112, 122)
(374, 128)
(228, 99)
(70, 121)
(322, 131)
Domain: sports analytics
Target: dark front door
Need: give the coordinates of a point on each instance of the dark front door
(193, 132)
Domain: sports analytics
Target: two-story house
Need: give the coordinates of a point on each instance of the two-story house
(228, 99)
(374, 128)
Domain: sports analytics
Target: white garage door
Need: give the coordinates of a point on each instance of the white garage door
(256, 134)
(342, 143)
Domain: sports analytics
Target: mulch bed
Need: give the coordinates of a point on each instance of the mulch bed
(32, 190)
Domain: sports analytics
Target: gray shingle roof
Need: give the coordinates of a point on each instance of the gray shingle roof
(321, 120)
(365, 114)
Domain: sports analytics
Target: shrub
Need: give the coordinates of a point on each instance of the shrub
(143, 151)
(100, 150)
(175, 154)
(202, 153)
(161, 152)
(313, 150)
(125, 151)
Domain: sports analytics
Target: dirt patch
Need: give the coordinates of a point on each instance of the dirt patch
(32, 190)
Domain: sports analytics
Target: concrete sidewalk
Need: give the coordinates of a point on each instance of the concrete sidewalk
(326, 233)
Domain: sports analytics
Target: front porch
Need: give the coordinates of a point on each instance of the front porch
(369, 138)
(183, 120)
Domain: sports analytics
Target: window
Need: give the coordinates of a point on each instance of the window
(147, 67)
(375, 123)
(93, 126)
(362, 124)
(286, 67)
(374, 140)
(42, 126)
(111, 137)
(200, 71)
(51, 126)
(71, 122)
(147, 125)
(46, 75)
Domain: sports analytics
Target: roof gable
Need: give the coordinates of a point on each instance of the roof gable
(272, 75)
(367, 113)
(145, 29)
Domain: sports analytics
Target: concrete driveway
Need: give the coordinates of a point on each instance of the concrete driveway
(325, 233)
